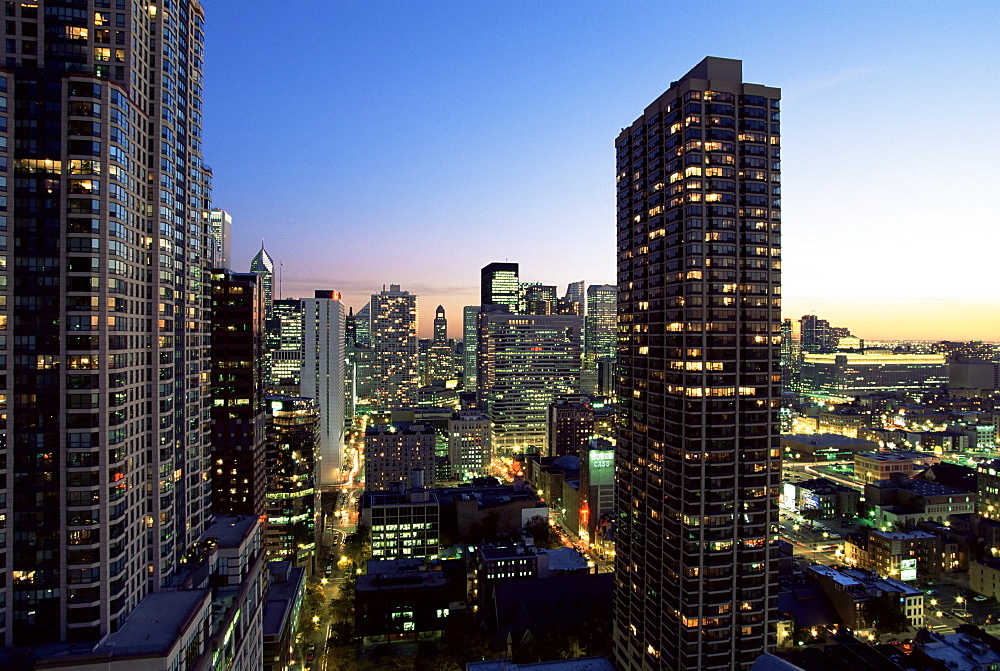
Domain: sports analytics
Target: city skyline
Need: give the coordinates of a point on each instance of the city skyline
(488, 125)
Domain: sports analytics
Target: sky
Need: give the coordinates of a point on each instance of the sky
(369, 142)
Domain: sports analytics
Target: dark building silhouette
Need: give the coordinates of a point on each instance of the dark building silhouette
(237, 386)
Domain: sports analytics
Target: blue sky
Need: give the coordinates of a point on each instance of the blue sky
(370, 143)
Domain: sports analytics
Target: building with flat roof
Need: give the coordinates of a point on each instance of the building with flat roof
(822, 446)
(403, 526)
(885, 464)
(849, 589)
(903, 555)
(525, 362)
(285, 592)
(394, 452)
(847, 375)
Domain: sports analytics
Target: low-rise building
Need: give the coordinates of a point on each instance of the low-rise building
(849, 590)
(904, 556)
(400, 601)
(984, 577)
(285, 591)
(821, 499)
(406, 525)
(822, 446)
(968, 650)
(909, 501)
(884, 464)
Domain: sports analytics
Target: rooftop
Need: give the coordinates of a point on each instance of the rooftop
(231, 531)
(157, 623)
(898, 455)
(280, 598)
(823, 439)
(578, 664)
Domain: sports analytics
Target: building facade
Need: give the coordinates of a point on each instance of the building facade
(285, 347)
(237, 388)
(469, 444)
(106, 331)
(602, 320)
(394, 348)
(470, 341)
(570, 424)
(322, 378)
(292, 495)
(499, 285)
(698, 461)
(393, 454)
(262, 265)
(220, 226)
(525, 361)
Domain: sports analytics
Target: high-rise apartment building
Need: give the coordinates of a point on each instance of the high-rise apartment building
(262, 264)
(220, 226)
(322, 378)
(499, 285)
(394, 348)
(698, 459)
(525, 361)
(237, 388)
(106, 328)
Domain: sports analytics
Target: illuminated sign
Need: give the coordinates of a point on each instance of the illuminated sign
(602, 459)
(908, 569)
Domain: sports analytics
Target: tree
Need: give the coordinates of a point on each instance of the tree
(358, 545)
(884, 615)
(313, 605)
(543, 533)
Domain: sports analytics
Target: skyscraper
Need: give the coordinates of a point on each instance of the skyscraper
(539, 299)
(698, 461)
(264, 266)
(470, 340)
(220, 226)
(237, 387)
(284, 345)
(394, 348)
(602, 320)
(499, 285)
(440, 327)
(291, 448)
(573, 303)
(108, 443)
(363, 325)
(439, 357)
(322, 378)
